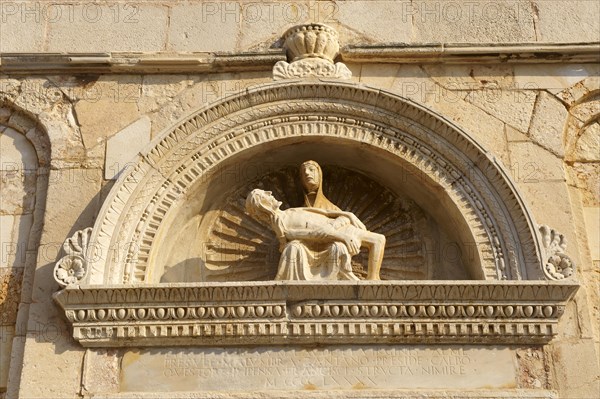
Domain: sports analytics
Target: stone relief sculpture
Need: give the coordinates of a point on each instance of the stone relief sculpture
(72, 267)
(240, 248)
(311, 177)
(316, 244)
(558, 264)
(151, 203)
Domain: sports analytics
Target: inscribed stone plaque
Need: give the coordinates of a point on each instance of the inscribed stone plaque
(334, 367)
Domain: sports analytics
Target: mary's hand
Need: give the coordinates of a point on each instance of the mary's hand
(356, 221)
(340, 222)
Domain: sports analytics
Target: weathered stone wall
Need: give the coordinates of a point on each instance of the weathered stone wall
(64, 139)
(190, 26)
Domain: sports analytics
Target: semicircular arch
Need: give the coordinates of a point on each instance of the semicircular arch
(440, 160)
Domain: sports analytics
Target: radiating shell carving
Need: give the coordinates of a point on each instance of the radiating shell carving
(558, 265)
(240, 248)
(72, 267)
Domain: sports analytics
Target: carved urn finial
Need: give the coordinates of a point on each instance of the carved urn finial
(311, 49)
(311, 41)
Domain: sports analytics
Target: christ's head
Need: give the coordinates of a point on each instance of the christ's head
(261, 204)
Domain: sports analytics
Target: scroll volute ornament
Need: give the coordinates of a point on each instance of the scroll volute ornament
(558, 265)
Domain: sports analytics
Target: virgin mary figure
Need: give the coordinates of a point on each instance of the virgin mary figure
(311, 177)
(302, 260)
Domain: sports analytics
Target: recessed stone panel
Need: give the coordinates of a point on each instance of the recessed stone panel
(329, 367)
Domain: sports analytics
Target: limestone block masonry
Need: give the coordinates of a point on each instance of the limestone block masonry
(464, 132)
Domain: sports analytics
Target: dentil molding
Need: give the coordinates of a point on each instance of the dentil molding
(285, 312)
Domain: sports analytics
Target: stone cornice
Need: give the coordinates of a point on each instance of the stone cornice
(123, 62)
(508, 393)
(517, 53)
(262, 313)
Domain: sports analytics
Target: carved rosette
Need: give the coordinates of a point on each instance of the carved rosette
(72, 267)
(311, 49)
(558, 265)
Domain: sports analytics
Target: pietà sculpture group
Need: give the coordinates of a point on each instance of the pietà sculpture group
(316, 241)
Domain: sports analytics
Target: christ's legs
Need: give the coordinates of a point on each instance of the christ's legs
(375, 243)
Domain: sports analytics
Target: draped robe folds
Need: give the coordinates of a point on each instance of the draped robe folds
(307, 261)
(301, 260)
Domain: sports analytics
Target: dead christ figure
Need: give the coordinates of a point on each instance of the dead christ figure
(316, 244)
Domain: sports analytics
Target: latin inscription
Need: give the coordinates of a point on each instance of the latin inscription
(402, 362)
(328, 368)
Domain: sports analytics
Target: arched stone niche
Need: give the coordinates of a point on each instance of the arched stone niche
(24, 164)
(172, 198)
(582, 146)
(395, 142)
(211, 238)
